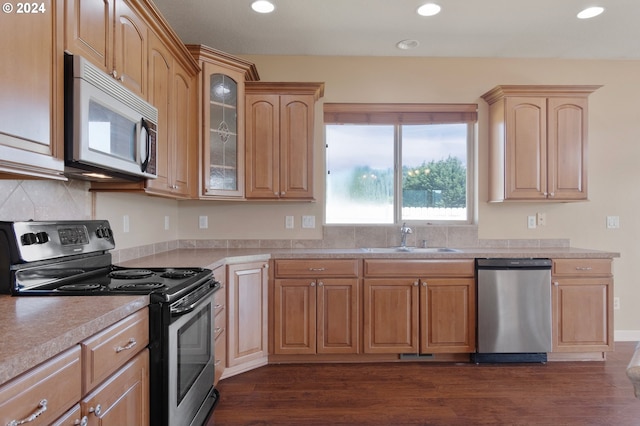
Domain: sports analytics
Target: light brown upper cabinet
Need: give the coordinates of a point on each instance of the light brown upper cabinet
(31, 105)
(110, 35)
(279, 139)
(221, 90)
(538, 142)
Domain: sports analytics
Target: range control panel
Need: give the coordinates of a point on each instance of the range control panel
(36, 241)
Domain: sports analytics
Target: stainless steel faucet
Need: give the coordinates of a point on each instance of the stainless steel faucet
(403, 234)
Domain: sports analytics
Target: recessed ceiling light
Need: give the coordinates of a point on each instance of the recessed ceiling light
(429, 9)
(590, 12)
(407, 44)
(263, 6)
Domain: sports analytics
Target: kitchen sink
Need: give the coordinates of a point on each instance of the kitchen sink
(409, 250)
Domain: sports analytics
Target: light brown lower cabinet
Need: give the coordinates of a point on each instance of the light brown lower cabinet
(247, 321)
(102, 381)
(220, 324)
(582, 302)
(316, 316)
(419, 306)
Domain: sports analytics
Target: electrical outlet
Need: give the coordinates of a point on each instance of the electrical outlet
(616, 303)
(542, 219)
(531, 222)
(203, 222)
(288, 222)
(308, 221)
(613, 222)
(125, 223)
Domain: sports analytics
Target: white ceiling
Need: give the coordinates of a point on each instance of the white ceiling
(464, 28)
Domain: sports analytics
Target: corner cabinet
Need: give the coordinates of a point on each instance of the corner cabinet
(221, 111)
(247, 321)
(582, 305)
(31, 106)
(280, 139)
(538, 142)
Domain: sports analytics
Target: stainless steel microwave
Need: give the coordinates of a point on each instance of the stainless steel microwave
(110, 132)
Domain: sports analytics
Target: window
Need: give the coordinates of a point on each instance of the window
(390, 163)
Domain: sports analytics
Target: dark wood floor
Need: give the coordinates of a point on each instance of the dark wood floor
(558, 393)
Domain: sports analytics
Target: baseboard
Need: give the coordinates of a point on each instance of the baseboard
(626, 335)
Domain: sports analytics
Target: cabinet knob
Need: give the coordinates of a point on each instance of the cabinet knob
(282, 193)
(320, 283)
(312, 284)
(96, 410)
(555, 283)
(424, 283)
(84, 421)
(415, 283)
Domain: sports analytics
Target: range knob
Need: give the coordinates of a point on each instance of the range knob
(104, 233)
(29, 239)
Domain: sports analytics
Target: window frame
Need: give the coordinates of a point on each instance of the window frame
(408, 114)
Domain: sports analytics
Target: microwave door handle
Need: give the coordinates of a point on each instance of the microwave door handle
(145, 163)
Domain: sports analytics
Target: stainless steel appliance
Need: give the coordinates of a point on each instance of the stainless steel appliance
(110, 132)
(67, 258)
(514, 310)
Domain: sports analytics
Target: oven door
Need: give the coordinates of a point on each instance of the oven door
(191, 361)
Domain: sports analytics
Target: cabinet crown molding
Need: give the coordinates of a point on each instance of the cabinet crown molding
(501, 91)
(292, 88)
(202, 52)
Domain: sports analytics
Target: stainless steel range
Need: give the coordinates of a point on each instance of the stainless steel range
(67, 258)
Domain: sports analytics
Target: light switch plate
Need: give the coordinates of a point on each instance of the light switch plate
(203, 222)
(288, 222)
(613, 222)
(531, 222)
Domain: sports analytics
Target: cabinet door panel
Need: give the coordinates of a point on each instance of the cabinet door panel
(130, 49)
(31, 106)
(295, 316)
(159, 96)
(262, 146)
(247, 313)
(184, 114)
(526, 147)
(583, 319)
(337, 316)
(89, 30)
(566, 144)
(296, 146)
(390, 316)
(447, 315)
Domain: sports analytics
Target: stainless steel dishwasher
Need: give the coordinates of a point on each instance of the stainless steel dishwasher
(514, 310)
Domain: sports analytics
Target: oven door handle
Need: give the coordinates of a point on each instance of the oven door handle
(186, 307)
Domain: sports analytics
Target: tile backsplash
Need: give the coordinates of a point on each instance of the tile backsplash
(44, 200)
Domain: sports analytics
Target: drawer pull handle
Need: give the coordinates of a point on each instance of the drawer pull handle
(316, 269)
(42, 407)
(218, 306)
(131, 344)
(217, 329)
(217, 363)
(583, 268)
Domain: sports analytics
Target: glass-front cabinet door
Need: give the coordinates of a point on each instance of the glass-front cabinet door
(224, 154)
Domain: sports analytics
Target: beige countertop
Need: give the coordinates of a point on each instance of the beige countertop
(211, 258)
(35, 329)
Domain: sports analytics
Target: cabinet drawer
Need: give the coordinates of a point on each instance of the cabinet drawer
(57, 381)
(419, 268)
(72, 417)
(316, 268)
(570, 267)
(105, 352)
